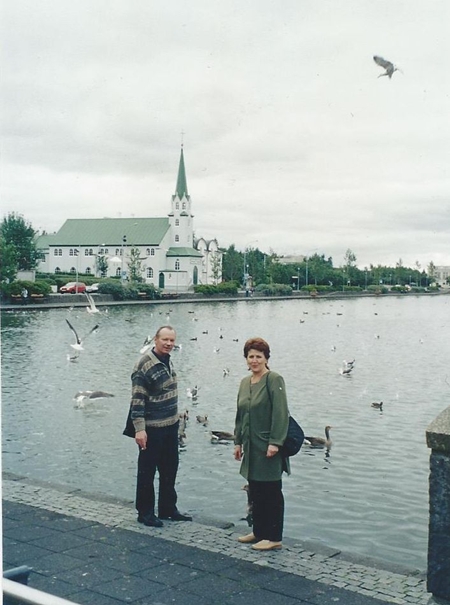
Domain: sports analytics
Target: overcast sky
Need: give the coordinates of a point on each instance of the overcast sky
(292, 142)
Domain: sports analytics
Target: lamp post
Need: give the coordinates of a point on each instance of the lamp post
(306, 276)
(365, 287)
(77, 252)
(122, 252)
(298, 279)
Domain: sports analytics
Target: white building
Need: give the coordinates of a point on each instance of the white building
(169, 257)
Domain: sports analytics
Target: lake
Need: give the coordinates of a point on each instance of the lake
(367, 495)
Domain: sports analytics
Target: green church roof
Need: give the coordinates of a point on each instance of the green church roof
(110, 231)
(183, 252)
(181, 189)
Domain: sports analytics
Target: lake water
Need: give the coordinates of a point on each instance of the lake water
(368, 495)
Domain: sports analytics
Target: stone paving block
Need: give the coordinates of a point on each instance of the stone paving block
(251, 574)
(129, 588)
(171, 575)
(55, 563)
(87, 597)
(21, 553)
(61, 541)
(29, 532)
(88, 575)
(49, 584)
(176, 596)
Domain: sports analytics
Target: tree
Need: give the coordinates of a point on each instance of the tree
(135, 265)
(18, 233)
(232, 265)
(215, 266)
(8, 261)
(431, 269)
(102, 265)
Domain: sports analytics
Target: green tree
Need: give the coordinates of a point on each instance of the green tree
(135, 268)
(102, 265)
(19, 233)
(8, 261)
(232, 265)
(431, 270)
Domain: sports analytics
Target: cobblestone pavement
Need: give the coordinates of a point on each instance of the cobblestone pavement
(327, 567)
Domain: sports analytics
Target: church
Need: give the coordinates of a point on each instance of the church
(163, 248)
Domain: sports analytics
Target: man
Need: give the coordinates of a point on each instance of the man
(154, 413)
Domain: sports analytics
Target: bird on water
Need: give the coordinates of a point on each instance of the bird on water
(320, 441)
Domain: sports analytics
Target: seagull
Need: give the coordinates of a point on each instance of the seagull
(226, 372)
(78, 345)
(216, 349)
(72, 358)
(92, 395)
(92, 308)
(346, 369)
(387, 65)
(192, 393)
(146, 345)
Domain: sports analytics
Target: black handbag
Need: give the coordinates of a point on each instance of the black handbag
(129, 430)
(295, 435)
(294, 439)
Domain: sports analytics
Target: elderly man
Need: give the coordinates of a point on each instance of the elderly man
(154, 413)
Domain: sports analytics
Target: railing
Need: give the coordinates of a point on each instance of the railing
(16, 591)
(438, 439)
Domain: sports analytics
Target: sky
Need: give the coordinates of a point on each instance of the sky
(292, 142)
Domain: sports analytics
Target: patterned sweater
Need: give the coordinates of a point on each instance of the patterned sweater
(154, 393)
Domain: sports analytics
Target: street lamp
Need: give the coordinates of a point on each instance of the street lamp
(306, 276)
(76, 252)
(124, 241)
(298, 279)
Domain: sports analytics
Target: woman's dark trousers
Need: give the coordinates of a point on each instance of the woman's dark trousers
(268, 510)
(161, 455)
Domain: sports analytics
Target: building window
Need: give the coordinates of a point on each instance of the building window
(177, 206)
(101, 251)
(71, 252)
(72, 270)
(177, 222)
(149, 272)
(86, 252)
(147, 252)
(117, 251)
(184, 206)
(177, 265)
(106, 251)
(177, 238)
(55, 252)
(121, 252)
(91, 252)
(152, 252)
(57, 270)
(88, 271)
(118, 272)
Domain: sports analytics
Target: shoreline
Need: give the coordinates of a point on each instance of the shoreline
(61, 301)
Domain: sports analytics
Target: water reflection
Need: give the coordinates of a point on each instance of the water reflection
(367, 494)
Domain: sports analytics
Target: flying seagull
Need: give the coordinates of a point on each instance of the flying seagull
(387, 65)
(92, 308)
(78, 346)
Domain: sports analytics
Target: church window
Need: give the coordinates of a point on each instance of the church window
(91, 252)
(184, 206)
(177, 265)
(57, 270)
(118, 272)
(147, 252)
(106, 251)
(71, 252)
(72, 270)
(86, 252)
(88, 271)
(117, 251)
(177, 222)
(177, 206)
(101, 251)
(152, 252)
(177, 238)
(149, 272)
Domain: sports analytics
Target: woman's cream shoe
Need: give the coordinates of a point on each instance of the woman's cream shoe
(248, 539)
(266, 545)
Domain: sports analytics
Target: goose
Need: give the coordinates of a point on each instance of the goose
(377, 405)
(320, 441)
(221, 436)
(202, 419)
(78, 346)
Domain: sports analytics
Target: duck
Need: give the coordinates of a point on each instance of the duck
(377, 404)
(202, 419)
(221, 436)
(320, 441)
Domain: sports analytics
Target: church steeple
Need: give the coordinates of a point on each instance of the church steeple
(181, 189)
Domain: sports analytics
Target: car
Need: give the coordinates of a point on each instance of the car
(73, 287)
(92, 288)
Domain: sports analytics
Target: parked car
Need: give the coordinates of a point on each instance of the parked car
(92, 288)
(72, 287)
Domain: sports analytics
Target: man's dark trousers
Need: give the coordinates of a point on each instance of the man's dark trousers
(161, 455)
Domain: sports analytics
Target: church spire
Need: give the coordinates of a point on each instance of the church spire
(181, 189)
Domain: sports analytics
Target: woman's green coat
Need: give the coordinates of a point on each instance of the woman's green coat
(262, 419)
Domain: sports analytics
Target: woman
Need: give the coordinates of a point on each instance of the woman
(261, 426)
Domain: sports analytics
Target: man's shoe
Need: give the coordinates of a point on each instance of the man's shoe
(150, 520)
(176, 516)
(266, 545)
(248, 539)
